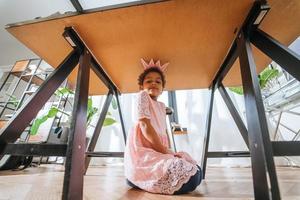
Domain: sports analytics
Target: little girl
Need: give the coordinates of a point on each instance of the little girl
(149, 164)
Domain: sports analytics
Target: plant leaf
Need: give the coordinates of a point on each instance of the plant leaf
(266, 75)
(37, 123)
(108, 121)
(114, 104)
(65, 91)
(91, 111)
(13, 100)
(52, 112)
(90, 103)
(237, 90)
(62, 91)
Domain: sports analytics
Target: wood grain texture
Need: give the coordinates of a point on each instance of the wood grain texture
(282, 23)
(108, 183)
(20, 66)
(194, 36)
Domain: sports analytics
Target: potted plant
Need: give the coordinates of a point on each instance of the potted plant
(53, 111)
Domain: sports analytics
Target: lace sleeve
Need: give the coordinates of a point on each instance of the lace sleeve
(143, 105)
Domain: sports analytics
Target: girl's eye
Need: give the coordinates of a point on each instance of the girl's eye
(158, 82)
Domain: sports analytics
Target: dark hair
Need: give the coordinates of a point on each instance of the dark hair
(147, 71)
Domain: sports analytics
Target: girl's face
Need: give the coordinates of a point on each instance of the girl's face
(152, 84)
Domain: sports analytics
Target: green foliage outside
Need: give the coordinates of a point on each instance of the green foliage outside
(264, 77)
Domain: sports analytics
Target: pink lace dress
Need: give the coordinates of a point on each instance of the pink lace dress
(148, 169)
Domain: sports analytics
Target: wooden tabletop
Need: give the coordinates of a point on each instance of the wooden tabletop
(194, 36)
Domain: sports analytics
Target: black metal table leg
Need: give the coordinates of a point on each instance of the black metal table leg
(263, 166)
(207, 130)
(121, 116)
(285, 57)
(75, 156)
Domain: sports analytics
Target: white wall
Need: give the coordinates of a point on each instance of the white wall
(12, 11)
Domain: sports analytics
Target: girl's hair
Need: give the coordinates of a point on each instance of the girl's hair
(147, 71)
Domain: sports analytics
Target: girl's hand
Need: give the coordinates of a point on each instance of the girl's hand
(177, 155)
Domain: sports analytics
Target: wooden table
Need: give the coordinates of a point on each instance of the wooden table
(202, 41)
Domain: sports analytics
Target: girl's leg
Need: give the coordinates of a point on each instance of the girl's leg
(191, 184)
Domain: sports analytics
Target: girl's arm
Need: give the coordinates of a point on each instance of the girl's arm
(150, 134)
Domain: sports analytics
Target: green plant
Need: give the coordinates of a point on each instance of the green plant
(264, 77)
(61, 92)
(267, 75)
(12, 100)
(38, 121)
(91, 111)
(109, 120)
(238, 90)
